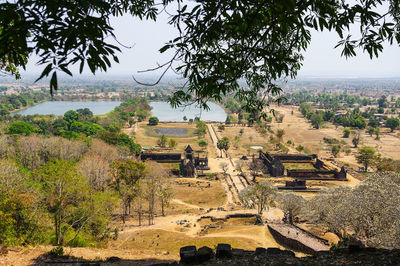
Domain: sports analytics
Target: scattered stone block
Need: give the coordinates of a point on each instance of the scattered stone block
(204, 254)
(224, 251)
(188, 254)
(113, 259)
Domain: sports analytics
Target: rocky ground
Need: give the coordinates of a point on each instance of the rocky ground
(225, 255)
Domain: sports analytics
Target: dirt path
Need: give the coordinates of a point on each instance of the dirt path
(214, 137)
(215, 163)
(130, 130)
(186, 204)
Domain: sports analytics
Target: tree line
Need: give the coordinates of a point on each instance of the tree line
(368, 213)
(73, 192)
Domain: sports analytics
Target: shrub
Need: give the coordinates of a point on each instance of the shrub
(331, 140)
(57, 251)
(20, 127)
(346, 132)
(153, 121)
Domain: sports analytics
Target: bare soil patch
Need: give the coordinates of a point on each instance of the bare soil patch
(299, 130)
(201, 192)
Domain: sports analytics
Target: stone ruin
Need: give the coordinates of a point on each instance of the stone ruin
(274, 164)
(294, 185)
(189, 161)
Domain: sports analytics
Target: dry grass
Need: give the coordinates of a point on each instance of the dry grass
(175, 208)
(305, 166)
(151, 131)
(146, 136)
(199, 194)
(298, 130)
(249, 138)
(230, 221)
(165, 241)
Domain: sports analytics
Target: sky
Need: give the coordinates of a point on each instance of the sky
(321, 59)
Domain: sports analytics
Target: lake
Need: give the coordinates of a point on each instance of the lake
(60, 107)
(164, 112)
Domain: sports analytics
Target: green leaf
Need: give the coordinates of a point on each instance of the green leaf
(45, 72)
(53, 83)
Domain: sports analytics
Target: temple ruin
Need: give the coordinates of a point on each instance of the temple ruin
(275, 166)
(190, 160)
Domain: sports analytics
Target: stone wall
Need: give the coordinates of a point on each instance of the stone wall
(293, 157)
(162, 157)
(318, 174)
(274, 165)
(290, 242)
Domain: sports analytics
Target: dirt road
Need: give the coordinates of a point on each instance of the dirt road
(236, 179)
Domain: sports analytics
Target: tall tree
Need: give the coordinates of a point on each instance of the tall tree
(162, 141)
(392, 123)
(260, 195)
(291, 204)
(255, 166)
(126, 177)
(223, 145)
(369, 212)
(64, 190)
(316, 120)
(366, 156)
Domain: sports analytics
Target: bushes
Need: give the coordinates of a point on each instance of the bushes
(335, 149)
(346, 132)
(351, 120)
(392, 123)
(19, 223)
(120, 139)
(20, 127)
(75, 207)
(153, 121)
(331, 140)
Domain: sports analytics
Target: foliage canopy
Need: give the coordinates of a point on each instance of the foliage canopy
(219, 42)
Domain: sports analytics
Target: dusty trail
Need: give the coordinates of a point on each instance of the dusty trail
(231, 167)
(186, 204)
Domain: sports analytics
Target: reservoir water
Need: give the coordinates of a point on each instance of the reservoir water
(60, 107)
(164, 112)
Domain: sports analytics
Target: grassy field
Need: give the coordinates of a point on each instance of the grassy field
(146, 136)
(250, 137)
(151, 131)
(295, 166)
(198, 193)
(170, 166)
(299, 130)
(230, 221)
(166, 241)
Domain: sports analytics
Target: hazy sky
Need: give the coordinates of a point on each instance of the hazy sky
(321, 59)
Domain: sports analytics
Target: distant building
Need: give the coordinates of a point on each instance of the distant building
(341, 113)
